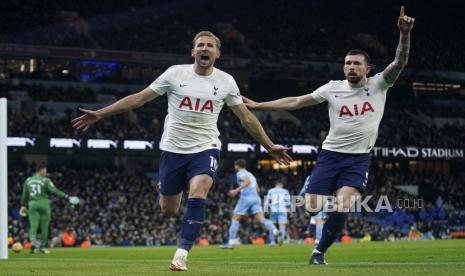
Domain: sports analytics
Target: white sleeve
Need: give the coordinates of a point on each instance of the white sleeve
(234, 95)
(379, 79)
(320, 95)
(162, 84)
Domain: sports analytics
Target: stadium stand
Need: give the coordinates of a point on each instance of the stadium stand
(119, 201)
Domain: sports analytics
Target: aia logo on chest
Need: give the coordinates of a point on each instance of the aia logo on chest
(346, 111)
(197, 105)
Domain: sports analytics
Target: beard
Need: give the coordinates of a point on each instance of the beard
(354, 78)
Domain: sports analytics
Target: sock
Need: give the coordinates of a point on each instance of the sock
(319, 231)
(331, 230)
(36, 243)
(44, 233)
(233, 230)
(192, 222)
(180, 252)
(282, 229)
(270, 227)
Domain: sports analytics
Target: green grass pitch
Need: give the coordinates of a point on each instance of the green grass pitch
(376, 258)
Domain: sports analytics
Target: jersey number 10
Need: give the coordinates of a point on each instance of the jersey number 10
(213, 163)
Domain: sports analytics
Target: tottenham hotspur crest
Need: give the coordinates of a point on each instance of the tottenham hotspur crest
(216, 90)
(367, 91)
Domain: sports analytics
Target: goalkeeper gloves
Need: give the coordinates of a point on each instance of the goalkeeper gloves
(73, 200)
(23, 211)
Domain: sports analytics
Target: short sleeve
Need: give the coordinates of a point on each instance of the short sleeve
(234, 95)
(381, 81)
(162, 84)
(241, 175)
(320, 95)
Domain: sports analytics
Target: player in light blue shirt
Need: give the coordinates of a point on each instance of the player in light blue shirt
(279, 201)
(249, 203)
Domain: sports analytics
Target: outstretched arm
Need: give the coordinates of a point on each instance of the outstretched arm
(254, 128)
(127, 103)
(52, 188)
(393, 70)
(288, 103)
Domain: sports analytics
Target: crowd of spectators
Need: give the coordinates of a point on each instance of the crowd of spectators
(308, 126)
(119, 207)
(247, 29)
(60, 94)
(400, 128)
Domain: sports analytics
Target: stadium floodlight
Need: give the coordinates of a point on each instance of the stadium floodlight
(3, 182)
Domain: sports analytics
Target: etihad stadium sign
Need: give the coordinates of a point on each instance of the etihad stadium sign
(416, 152)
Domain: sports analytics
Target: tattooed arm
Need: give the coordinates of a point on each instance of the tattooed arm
(392, 71)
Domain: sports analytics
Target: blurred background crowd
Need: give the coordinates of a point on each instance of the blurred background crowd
(273, 49)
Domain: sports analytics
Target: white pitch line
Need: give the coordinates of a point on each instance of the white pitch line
(241, 262)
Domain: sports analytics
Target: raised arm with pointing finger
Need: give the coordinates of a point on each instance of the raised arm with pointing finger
(354, 69)
(393, 70)
(355, 108)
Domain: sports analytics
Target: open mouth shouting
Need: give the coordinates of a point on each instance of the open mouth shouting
(205, 58)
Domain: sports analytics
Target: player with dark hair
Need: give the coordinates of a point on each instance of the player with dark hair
(190, 147)
(249, 203)
(279, 201)
(355, 106)
(36, 190)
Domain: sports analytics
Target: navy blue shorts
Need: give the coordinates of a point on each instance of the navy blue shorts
(334, 170)
(177, 169)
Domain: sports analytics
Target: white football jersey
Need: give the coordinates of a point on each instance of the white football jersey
(194, 104)
(354, 113)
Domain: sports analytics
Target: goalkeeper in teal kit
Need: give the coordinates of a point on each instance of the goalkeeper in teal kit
(36, 190)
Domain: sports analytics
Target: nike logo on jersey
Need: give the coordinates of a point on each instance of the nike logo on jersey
(182, 85)
(194, 221)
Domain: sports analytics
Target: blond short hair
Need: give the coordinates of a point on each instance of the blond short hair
(207, 33)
